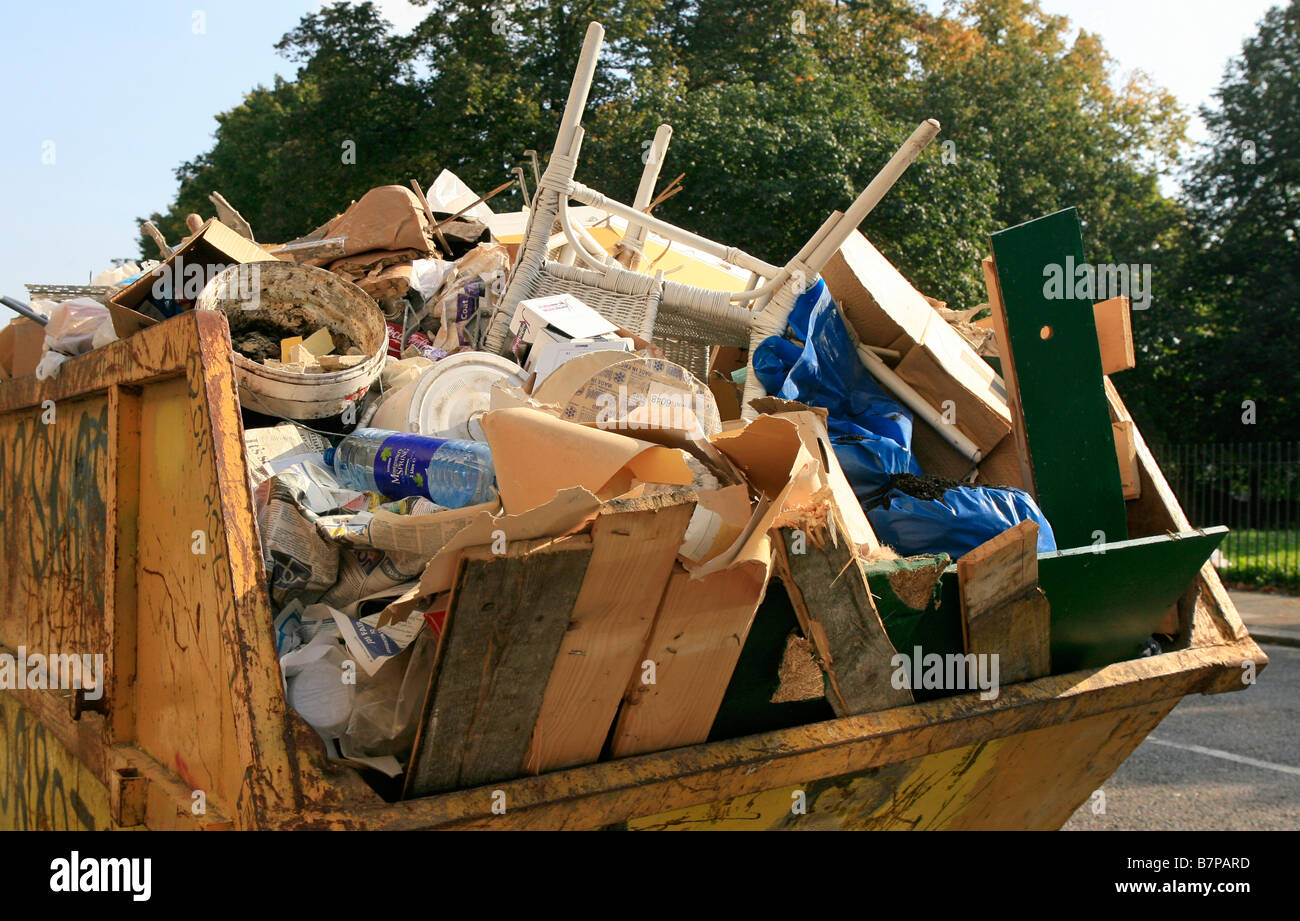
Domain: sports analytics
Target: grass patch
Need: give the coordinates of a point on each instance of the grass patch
(1262, 559)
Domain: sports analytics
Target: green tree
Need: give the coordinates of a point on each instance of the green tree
(1230, 335)
(781, 113)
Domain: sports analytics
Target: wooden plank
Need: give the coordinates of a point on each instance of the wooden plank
(505, 623)
(998, 569)
(1114, 334)
(1010, 383)
(1004, 613)
(1126, 453)
(632, 557)
(696, 641)
(1051, 342)
(833, 605)
(1156, 510)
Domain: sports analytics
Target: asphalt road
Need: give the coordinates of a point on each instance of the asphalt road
(1166, 786)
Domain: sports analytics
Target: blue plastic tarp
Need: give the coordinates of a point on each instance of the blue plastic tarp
(872, 437)
(871, 432)
(964, 518)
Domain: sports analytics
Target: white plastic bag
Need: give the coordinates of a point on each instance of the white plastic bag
(314, 684)
(75, 327)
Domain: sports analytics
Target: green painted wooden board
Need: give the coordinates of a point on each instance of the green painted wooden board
(914, 616)
(1104, 605)
(1059, 378)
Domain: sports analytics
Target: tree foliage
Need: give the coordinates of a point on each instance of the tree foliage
(1229, 330)
(781, 112)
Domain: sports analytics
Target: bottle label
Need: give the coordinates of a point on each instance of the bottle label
(402, 464)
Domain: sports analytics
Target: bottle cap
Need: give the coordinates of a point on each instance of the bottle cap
(329, 456)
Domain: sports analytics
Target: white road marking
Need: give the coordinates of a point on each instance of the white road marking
(1228, 756)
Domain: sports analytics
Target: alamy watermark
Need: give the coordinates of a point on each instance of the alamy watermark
(54, 672)
(1086, 281)
(179, 280)
(75, 873)
(951, 672)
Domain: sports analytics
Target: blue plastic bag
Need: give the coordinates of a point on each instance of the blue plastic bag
(871, 433)
(964, 518)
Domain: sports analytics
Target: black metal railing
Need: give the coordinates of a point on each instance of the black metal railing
(1253, 488)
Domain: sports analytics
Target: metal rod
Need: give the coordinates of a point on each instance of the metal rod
(433, 222)
(482, 198)
(19, 307)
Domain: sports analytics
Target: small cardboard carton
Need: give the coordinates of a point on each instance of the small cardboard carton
(545, 358)
(885, 310)
(560, 313)
(20, 347)
(182, 276)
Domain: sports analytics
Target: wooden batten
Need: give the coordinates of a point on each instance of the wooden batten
(632, 556)
(1004, 612)
(1114, 334)
(505, 622)
(699, 631)
(833, 605)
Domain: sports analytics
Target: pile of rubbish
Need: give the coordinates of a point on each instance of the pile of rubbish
(382, 439)
(491, 507)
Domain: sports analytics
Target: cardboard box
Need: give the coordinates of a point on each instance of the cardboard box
(563, 314)
(21, 343)
(214, 247)
(885, 310)
(544, 359)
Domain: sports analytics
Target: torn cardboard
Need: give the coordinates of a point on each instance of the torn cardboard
(537, 455)
(568, 512)
(885, 310)
(213, 248)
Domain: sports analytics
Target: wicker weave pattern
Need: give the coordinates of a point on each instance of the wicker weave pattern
(682, 319)
(623, 297)
(62, 293)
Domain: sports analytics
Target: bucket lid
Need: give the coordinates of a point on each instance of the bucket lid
(450, 396)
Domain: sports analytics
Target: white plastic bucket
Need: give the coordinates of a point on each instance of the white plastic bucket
(260, 289)
(447, 400)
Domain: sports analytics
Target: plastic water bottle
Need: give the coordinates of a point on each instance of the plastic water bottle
(452, 473)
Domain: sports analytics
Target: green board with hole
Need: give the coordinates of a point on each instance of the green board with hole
(1053, 343)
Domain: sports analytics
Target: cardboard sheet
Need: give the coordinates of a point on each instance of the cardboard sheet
(214, 245)
(388, 217)
(537, 455)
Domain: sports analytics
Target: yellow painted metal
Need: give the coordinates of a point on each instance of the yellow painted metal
(1002, 784)
(127, 530)
(42, 785)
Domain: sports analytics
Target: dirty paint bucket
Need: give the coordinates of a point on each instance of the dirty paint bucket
(447, 400)
(271, 293)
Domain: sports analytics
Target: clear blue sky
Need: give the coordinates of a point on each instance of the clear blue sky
(126, 92)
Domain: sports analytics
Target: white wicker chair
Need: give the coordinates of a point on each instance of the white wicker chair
(684, 319)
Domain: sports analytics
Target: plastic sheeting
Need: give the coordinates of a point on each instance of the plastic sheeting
(964, 518)
(871, 433)
(872, 436)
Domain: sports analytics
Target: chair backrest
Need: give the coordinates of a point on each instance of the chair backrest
(687, 311)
